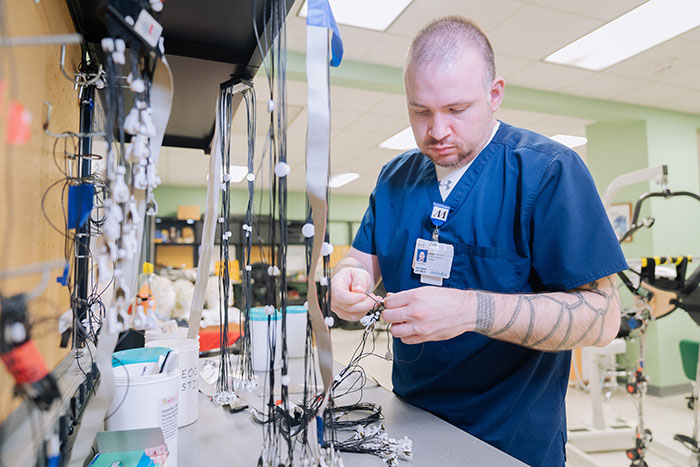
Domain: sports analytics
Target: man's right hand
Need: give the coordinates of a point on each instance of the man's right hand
(349, 289)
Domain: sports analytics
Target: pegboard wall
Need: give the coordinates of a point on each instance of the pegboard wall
(31, 76)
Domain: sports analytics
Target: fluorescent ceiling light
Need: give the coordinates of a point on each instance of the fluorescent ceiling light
(342, 179)
(570, 140)
(238, 172)
(644, 27)
(401, 141)
(369, 14)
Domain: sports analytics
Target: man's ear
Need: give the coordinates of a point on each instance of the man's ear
(496, 93)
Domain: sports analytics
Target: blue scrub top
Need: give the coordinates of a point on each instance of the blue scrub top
(525, 217)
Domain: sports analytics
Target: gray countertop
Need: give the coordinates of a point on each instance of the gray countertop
(220, 438)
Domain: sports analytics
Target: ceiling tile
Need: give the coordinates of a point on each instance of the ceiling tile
(357, 100)
(391, 104)
(521, 118)
(296, 90)
(548, 76)
(506, 66)
(600, 9)
(678, 54)
(340, 120)
(297, 129)
(359, 139)
(653, 94)
(389, 50)
(485, 13)
(689, 103)
(262, 118)
(692, 35)
(379, 123)
(534, 32)
(603, 86)
(689, 79)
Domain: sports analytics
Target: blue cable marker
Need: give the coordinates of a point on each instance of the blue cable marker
(80, 198)
(633, 323)
(321, 14)
(63, 278)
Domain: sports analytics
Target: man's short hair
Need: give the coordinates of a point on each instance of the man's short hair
(444, 39)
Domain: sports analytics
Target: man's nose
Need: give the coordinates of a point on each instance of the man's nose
(439, 128)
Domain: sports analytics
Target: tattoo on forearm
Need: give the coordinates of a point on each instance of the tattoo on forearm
(567, 308)
(512, 319)
(531, 324)
(485, 312)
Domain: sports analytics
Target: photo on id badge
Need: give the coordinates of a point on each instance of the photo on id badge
(421, 256)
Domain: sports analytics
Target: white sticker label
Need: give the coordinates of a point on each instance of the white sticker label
(433, 258)
(148, 28)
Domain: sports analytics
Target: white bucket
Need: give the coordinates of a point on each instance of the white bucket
(153, 335)
(144, 401)
(296, 331)
(188, 400)
(260, 344)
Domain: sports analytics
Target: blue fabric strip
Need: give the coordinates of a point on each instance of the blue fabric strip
(321, 14)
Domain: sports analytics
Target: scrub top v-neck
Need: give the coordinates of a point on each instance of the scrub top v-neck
(525, 217)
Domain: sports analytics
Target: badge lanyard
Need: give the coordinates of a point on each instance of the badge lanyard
(438, 217)
(432, 260)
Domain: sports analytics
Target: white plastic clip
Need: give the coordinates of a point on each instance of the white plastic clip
(282, 169)
(308, 230)
(326, 249)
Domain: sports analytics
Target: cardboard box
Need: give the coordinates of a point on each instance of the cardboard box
(188, 212)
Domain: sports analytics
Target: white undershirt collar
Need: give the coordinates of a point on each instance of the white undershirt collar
(449, 177)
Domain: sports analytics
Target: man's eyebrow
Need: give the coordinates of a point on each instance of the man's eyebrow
(452, 104)
(458, 104)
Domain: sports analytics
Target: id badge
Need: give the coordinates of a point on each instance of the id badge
(433, 258)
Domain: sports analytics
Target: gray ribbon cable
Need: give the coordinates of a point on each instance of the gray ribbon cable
(317, 155)
(209, 230)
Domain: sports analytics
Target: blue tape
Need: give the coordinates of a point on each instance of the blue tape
(321, 14)
(319, 431)
(80, 198)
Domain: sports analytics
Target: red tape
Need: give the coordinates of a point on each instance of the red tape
(25, 363)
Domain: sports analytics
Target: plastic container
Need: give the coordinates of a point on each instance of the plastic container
(142, 399)
(188, 399)
(296, 331)
(153, 335)
(261, 341)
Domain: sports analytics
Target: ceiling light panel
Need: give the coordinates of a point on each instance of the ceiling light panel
(644, 27)
(342, 179)
(368, 14)
(570, 141)
(401, 141)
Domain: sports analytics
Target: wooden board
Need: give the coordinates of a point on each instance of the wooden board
(32, 76)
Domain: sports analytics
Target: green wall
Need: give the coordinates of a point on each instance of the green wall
(616, 148)
(345, 211)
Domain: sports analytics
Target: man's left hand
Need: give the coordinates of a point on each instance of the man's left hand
(426, 314)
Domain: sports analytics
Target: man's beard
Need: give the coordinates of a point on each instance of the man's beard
(461, 159)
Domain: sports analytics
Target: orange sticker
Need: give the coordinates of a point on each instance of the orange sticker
(19, 122)
(25, 363)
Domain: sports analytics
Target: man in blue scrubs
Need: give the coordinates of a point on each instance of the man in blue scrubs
(521, 257)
